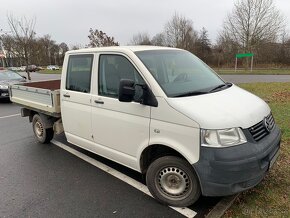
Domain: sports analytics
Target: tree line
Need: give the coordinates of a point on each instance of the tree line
(253, 26)
(22, 46)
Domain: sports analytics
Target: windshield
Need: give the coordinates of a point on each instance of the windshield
(180, 73)
(9, 75)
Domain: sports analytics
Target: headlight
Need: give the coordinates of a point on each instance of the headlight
(222, 138)
(3, 86)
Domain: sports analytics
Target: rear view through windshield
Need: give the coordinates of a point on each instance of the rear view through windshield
(179, 72)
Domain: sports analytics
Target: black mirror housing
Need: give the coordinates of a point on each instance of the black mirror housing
(126, 90)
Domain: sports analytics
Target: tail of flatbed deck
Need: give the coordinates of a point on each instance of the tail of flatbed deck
(42, 96)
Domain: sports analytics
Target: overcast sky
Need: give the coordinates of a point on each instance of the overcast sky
(69, 20)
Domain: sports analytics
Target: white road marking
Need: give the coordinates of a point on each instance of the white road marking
(184, 211)
(13, 115)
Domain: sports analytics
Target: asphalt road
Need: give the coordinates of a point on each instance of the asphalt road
(230, 78)
(255, 78)
(39, 76)
(46, 181)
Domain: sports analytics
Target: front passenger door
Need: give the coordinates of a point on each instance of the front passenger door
(118, 126)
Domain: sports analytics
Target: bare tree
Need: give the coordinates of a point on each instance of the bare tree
(63, 48)
(203, 45)
(76, 46)
(179, 33)
(6, 46)
(283, 53)
(224, 50)
(253, 22)
(98, 38)
(47, 44)
(23, 31)
(40, 50)
(141, 39)
(159, 39)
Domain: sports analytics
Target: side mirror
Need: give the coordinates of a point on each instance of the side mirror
(126, 90)
(24, 77)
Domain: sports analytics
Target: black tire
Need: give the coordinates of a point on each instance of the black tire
(170, 171)
(43, 135)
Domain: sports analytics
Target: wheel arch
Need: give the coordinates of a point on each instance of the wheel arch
(154, 151)
(48, 121)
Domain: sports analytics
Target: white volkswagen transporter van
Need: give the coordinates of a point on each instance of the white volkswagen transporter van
(162, 112)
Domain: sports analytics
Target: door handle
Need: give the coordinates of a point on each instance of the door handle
(99, 102)
(66, 95)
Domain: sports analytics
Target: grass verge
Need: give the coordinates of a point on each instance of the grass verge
(255, 72)
(271, 198)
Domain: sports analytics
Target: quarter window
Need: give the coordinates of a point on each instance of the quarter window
(79, 73)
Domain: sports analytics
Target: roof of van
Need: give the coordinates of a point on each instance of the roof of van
(122, 48)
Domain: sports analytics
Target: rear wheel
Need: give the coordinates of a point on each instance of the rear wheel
(43, 135)
(172, 181)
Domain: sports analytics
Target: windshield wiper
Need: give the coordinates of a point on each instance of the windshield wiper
(191, 93)
(225, 85)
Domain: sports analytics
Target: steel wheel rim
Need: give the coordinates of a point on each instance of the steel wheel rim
(38, 129)
(174, 182)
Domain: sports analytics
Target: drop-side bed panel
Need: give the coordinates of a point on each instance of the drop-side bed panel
(42, 96)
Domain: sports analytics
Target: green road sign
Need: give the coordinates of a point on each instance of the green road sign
(244, 55)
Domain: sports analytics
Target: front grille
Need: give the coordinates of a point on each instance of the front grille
(263, 128)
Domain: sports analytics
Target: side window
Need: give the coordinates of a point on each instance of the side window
(79, 73)
(113, 68)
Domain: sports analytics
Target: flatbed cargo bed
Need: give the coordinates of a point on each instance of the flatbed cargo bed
(42, 96)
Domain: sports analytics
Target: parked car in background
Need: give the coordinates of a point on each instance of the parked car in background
(14, 68)
(22, 68)
(39, 68)
(52, 67)
(29, 68)
(7, 78)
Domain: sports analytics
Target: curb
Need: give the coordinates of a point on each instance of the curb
(222, 206)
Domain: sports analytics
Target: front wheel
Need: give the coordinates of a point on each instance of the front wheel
(43, 135)
(172, 181)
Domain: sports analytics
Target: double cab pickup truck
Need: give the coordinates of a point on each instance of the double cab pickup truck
(160, 111)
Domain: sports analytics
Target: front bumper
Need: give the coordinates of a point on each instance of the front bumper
(226, 171)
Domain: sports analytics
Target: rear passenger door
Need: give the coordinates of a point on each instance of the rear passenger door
(119, 127)
(76, 99)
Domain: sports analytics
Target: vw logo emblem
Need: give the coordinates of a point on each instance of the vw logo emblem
(267, 124)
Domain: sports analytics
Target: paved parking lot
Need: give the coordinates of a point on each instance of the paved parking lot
(47, 181)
